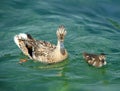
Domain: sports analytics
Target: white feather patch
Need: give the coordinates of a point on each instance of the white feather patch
(22, 36)
(16, 40)
(105, 62)
(94, 63)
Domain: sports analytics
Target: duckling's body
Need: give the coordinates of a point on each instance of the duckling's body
(95, 60)
(43, 51)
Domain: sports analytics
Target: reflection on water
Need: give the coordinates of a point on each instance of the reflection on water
(92, 26)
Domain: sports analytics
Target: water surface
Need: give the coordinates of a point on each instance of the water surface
(92, 26)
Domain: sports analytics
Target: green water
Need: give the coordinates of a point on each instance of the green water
(92, 26)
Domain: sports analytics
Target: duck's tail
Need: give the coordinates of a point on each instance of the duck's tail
(22, 41)
(19, 37)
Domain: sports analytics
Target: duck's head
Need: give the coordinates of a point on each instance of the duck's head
(61, 32)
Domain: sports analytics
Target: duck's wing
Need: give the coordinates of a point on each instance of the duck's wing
(43, 48)
(29, 45)
(42, 51)
(45, 45)
(38, 48)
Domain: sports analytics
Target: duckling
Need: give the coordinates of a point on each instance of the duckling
(95, 60)
(43, 51)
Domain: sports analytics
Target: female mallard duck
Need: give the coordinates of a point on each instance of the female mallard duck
(95, 60)
(43, 51)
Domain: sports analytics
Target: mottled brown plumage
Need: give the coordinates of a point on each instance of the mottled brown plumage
(95, 60)
(41, 50)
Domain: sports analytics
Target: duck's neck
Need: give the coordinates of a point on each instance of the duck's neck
(60, 46)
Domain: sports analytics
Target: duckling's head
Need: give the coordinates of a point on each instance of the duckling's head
(102, 58)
